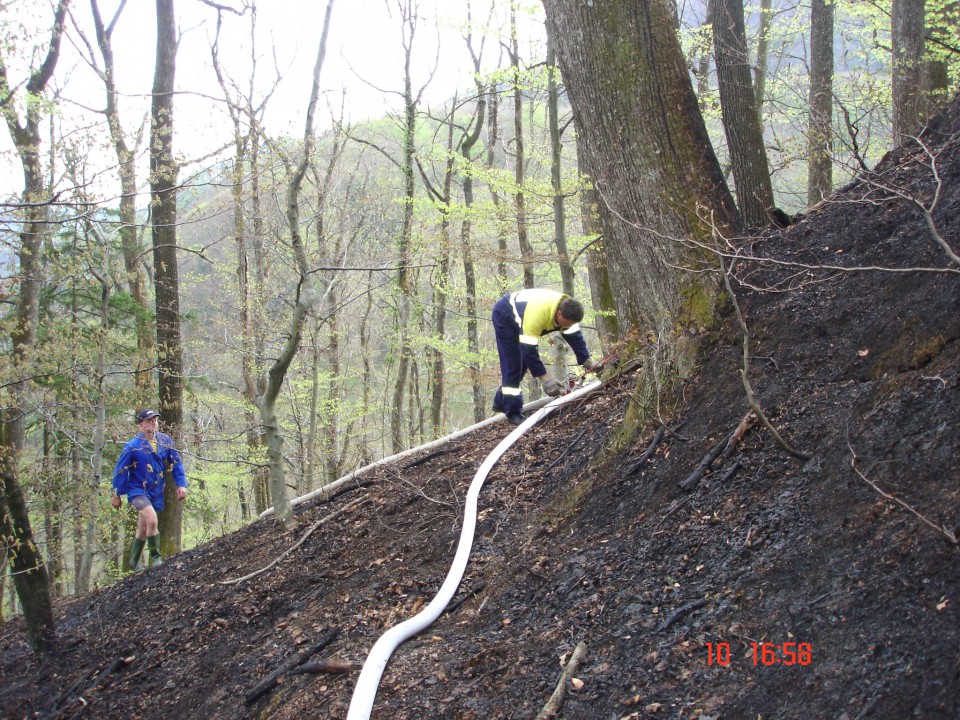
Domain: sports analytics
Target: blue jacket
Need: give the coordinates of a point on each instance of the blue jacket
(141, 470)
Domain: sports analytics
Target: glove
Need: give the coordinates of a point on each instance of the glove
(550, 386)
(591, 366)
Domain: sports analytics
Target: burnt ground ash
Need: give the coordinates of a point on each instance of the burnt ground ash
(859, 370)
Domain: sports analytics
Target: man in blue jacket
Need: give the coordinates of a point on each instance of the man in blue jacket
(140, 474)
(519, 319)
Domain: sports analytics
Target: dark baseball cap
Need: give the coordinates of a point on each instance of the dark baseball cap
(146, 415)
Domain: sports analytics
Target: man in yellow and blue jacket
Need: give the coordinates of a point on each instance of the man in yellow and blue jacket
(519, 320)
(140, 474)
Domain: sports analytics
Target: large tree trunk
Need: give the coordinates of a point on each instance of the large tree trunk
(85, 569)
(467, 143)
(741, 121)
(820, 132)
(704, 48)
(163, 213)
(330, 252)
(644, 144)
(601, 293)
(26, 561)
(250, 283)
(908, 38)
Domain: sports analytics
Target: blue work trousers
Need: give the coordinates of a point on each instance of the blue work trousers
(512, 366)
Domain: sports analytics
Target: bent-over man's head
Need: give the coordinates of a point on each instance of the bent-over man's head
(571, 310)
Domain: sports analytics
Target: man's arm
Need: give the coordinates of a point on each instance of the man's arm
(120, 473)
(577, 343)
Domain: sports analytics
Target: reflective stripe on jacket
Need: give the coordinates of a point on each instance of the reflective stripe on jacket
(535, 312)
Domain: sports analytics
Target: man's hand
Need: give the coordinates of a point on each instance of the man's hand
(116, 501)
(550, 386)
(181, 493)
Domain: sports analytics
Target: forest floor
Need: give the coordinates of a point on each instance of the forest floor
(583, 539)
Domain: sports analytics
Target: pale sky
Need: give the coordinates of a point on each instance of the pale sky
(364, 52)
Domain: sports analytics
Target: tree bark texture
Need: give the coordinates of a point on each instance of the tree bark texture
(440, 288)
(503, 228)
(644, 145)
(741, 121)
(601, 293)
(908, 38)
(820, 132)
(467, 143)
(163, 213)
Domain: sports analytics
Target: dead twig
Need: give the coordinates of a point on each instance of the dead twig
(552, 707)
(334, 667)
(949, 535)
(477, 588)
(721, 449)
(651, 448)
(745, 370)
(428, 457)
(734, 469)
(269, 682)
(674, 506)
(68, 695)
(349, 506)
(566, 452)
(683, 611)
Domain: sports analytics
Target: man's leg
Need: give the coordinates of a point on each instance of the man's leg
(509, 398)
(147, 530)
(142, 504)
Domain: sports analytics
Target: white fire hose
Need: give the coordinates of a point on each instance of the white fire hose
(361, 704)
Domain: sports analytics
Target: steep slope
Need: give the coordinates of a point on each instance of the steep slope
(582, 540)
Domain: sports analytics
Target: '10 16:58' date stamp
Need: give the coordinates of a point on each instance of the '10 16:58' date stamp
(766, 653)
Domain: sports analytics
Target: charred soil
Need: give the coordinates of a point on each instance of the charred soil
(843, 562)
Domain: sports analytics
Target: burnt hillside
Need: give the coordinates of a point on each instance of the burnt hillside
(584, 538)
